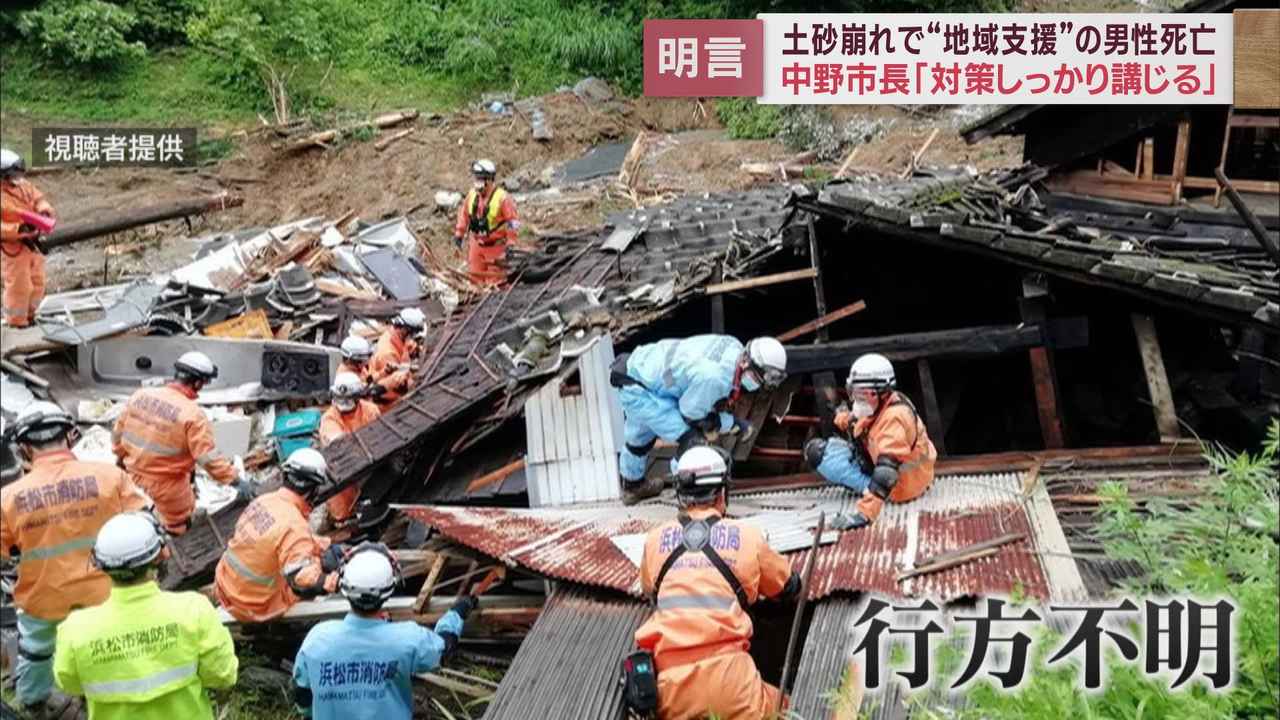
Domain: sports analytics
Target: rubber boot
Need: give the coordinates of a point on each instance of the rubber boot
(634, 492)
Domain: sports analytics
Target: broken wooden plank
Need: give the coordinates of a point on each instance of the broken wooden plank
(332, 287)
(981, 340)
(819, 295)
(915, 158)
(429, 586)
(932, 411)
(976, 551)
(822, 322)
(321, 139)
(761, 281)
(495, 477)
(454, 685)
(848, 161)
(386, 142)
(772, 168)
(1157, 378)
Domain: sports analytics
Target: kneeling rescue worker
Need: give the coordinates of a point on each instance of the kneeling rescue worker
(22, 207)
(273, 560)
(170, 646)
(48, 520)
(703, 571)
(361, 667)
(392, 363)
(683, 390)
(347, 413)
(163, 434)
(885, 452)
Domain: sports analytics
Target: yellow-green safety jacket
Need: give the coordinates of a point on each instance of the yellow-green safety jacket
(145, 655)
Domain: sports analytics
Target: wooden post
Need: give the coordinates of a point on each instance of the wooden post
(932, 413)
(717, 305)
(1157, 379)
(825, 399)
(819, 295)
(1149, 159)
(1222, 160)
(1043, 377)
(1180, 151)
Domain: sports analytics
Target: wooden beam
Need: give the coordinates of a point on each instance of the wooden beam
(819, 295)
(972, 341)
(1180, 151)
(762, 281)
(822, 322)
(1046, 386)
(717, 303)
(932, 413)
(1149, 159)
(1157, 379)
(1086, 182)
(429, 586)
(496, 476)
(107, 223)
(1262, 187)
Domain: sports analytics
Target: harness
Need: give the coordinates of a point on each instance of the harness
(697, 537)
(479, 224)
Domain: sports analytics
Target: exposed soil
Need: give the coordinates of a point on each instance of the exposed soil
(688, 152)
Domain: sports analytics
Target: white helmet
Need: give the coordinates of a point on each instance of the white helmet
(412, 318)
(127, 542)
(701, 472)
(768, 359)
(872, 371)
(346, 391)
(369, 575)
(305, 471)
(484, 168)
(11, 162)
(195, 365)
(356, 348)
(42, 422)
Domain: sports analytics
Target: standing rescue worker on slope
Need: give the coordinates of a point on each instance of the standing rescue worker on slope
(361, 667)
(684, 390)
(145, 654)
(273, 560)
(163, 434)
(703, 571)
(48, 520)
(392, 363)
(885, 452)
(21, 259)
(347, 413)
(488, 217)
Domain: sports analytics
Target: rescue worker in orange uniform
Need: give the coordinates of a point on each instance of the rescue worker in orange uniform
(347, 413)
(356, 354)
(703, 570)
(392, 363)
(886, 453)
(48, 522)
(273, 560)
(488, 217)
(163, 434)
(21, 259)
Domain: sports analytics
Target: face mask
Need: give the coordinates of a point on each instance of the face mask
(750, 382)
(345, 405)
(862, 408)
(478, 185)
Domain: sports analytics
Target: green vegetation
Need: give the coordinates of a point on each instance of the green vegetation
(745, 119)
(216, 60)
(1222, 546)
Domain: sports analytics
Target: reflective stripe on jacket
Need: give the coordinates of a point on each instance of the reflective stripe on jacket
(145, 654)
(52, 516)
(271, 542)
(333, 425)
(162, 435)
(697, 611)
(500, 216)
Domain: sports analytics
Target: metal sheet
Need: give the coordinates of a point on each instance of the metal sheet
(394, 233)
(567, 666)
(247, 369)
(572, 439)
(130, 311)
(394, 272)
(599, 161)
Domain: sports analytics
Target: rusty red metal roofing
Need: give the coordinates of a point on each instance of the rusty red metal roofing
(958, 511)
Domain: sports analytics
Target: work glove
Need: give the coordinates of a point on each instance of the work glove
(374, 390)
(850, 521)
(843, 419)
(791, 590)
(465, 605)
(332, 558)
(245, 491)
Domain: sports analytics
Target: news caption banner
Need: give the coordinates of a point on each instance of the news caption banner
(958, 58)
(139, 147)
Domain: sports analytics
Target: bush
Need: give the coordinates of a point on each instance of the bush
(82, 33)
(746, 119)
(160, 22)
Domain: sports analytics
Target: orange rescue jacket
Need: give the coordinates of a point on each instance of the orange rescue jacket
(16, 197)
(498, 210)
(162, 435)
(898, 432)
(333, 425)
(389, 366)
(698, 614)
(271, 554)
(52, 516)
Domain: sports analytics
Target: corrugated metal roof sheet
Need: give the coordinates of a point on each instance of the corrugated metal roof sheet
(568, 665)
(957, 511)
(573, 439)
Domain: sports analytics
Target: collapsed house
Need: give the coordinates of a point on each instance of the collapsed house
(1052, 341)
